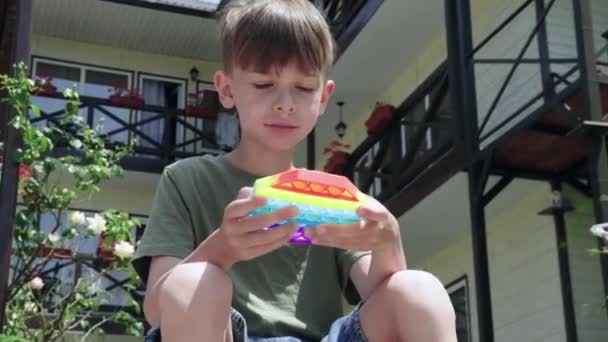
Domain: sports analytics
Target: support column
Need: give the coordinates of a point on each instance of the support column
(20, 51)
(564, 266)
(310, 150)
(463, 99)
(592, 110)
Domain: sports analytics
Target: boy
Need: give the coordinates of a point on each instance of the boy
(213, 275)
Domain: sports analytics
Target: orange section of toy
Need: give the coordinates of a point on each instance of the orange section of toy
(317, 183)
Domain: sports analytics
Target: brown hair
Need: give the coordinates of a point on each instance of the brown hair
(263, 34)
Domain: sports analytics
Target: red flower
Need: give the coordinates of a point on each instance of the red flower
(335, 143)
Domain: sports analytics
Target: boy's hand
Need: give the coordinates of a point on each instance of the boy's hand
(379, 230)
(241, 237)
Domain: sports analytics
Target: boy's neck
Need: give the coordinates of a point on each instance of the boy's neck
(261, 162)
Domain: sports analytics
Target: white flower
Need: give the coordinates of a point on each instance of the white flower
(76, 218)
(53, 237)
(97, 224)
(77, 144)
(600, 230)
(124, 249)
(36, 283)
(31, 307)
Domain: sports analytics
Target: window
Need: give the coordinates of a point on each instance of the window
(90, 81)
(459, 295)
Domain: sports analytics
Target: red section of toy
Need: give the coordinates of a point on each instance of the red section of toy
(317, 183)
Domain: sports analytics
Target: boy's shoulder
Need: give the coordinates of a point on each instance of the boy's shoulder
(193, 165)
(206, 170)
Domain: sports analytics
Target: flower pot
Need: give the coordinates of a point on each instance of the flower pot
(56, 252)
(380, 119)
(133, 102)
(201, 112)
(105, 253)
(47, 90)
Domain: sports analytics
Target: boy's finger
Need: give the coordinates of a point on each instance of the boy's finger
(253, 223)
(373, 213)
(241, 207)
(270, 236)
(273, 244)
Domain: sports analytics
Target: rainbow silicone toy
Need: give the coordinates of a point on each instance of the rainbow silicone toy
(320, 197)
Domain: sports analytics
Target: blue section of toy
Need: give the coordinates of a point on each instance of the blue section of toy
(308, 215)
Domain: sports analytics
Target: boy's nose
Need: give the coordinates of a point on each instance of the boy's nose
(285, 108)
(284, 104)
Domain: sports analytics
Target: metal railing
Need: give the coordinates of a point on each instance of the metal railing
(158, 133)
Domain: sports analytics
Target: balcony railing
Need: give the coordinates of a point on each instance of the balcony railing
(161, 135)
(418, 137)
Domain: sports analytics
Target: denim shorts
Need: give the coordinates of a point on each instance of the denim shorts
(344, 329)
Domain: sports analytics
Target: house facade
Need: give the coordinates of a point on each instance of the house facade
(538, 279)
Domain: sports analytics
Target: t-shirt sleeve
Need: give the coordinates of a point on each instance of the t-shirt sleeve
(169, 230)
(345, 260)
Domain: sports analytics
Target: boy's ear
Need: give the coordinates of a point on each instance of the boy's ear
(223, 84)
(329, 88)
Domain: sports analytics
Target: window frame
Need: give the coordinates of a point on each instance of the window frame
(454, 286)
(83, 69)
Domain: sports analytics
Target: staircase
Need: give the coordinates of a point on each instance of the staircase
(428, 140)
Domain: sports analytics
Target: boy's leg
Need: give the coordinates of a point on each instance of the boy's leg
(195, 299)
(409, 306)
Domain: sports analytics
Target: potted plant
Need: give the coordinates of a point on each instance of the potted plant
(380, 118)
(338, 152)
(123, 96)
(43, 85)
(203, 104)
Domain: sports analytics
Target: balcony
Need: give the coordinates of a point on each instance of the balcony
(528, 119)
(161, 135)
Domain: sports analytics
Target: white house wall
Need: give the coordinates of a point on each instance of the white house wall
(524, 272)
(131, 60)
(526, 298)
(99, 55)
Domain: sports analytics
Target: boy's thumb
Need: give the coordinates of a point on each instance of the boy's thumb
(244, 192)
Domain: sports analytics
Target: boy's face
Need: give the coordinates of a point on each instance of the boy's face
(277, 109)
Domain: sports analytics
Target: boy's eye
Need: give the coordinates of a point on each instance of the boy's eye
(306, 89)
(262, 85)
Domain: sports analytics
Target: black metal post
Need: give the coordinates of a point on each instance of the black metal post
(543, 50)
(310, 150)
(10, 169)
(463, 98)
(564, 268)
(480, 253)
(592, 110)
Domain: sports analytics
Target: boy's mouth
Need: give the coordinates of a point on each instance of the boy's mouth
(280, 126)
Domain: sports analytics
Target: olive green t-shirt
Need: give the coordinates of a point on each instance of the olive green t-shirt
(293, 291)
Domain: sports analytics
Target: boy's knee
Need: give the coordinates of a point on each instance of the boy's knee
(195, 282)
(421, 293)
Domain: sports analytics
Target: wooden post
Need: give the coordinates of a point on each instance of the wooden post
(15, 40)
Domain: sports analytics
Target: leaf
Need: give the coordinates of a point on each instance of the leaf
(36, 110)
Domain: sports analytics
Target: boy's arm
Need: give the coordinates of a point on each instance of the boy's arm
(371, 270)
(223, 247)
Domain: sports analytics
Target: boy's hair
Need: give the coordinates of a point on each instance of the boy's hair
(262, 34)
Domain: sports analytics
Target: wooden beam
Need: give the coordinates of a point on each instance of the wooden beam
(19, 51)
(426, 182)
